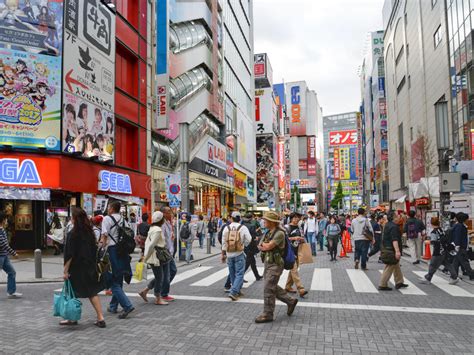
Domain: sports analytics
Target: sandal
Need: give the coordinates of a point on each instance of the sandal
(100, 323)
(67, 322)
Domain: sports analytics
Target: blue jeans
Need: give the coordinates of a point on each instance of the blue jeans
(189, 249)
(169, 272)
(158, 271)
(236, 266)
(119, 266)
(320, 240)
(213, 239)
(361, 251)
(200, 236)
(311, 239)
(7, 266)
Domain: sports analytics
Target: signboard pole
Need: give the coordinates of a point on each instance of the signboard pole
(178, 243)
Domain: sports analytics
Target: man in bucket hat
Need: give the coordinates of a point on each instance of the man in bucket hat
(272, 247)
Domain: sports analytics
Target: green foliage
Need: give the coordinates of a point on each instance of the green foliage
(295, 192)
(338, 197)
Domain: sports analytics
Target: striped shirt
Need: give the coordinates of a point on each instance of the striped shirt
(4, 247)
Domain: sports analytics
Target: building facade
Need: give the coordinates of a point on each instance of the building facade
(79, 114)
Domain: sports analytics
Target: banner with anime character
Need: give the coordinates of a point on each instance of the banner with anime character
(266, 164)
(33, 26)
(30, 100)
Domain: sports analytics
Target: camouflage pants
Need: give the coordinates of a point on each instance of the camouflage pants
(271, 289)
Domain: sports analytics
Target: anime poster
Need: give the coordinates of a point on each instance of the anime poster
(30, 100)
(88, 130)
(266, 164)
(33, 26)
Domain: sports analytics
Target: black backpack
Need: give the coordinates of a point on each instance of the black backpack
(126, 238)
(185, 231)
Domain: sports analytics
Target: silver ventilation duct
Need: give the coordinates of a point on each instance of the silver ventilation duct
(185, 86)
(186, 35)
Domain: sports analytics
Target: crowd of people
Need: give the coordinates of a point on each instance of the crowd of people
(94, 257)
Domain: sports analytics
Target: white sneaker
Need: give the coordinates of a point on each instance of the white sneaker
(453, 281)
(14, 295)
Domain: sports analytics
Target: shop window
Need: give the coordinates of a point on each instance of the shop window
(126, 148)
(126, 71)
(129, 10)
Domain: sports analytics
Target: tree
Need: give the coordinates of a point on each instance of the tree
(338, 197)
(295, 192)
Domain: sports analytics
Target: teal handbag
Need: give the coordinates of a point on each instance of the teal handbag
(66, 305)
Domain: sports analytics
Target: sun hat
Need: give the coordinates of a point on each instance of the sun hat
(156, 217)
(271, 217)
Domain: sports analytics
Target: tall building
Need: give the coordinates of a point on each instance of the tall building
(374, 123)
(417, 84)
(342, 158)
(76, 132)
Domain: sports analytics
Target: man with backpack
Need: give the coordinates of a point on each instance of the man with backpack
(273, 246)
(113, 236)
(235, 238)
(252, 249)
(185, 235)
(361, 231)
(461, 243)
(414, 228)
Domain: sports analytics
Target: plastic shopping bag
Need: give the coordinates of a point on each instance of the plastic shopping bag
(138, 274)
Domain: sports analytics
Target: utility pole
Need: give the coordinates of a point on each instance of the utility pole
(184, 165)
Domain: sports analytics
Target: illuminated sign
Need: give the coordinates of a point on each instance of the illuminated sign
(13, 172)
(343, 137)
(295, 105)
(114, 182)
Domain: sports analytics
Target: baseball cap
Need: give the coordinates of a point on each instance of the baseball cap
(236, 214)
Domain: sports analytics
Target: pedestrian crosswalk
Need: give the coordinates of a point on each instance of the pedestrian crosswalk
(324, 280)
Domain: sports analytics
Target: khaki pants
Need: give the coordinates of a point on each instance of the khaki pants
(387, 273)
(415, 248)
(271, 289)
(294, 277)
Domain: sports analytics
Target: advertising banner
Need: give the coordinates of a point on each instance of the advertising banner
(281, 165)
(245, 142)
(337, 138)
(348, 187)
(250, 189)
(30, 100)
(303, 164)
(265, 111)
(265, 169)
(230, 166)
(311, 156)
(417, 159)
(162, 118)
(337, 167)
(296, 96)
(211, 159)
(279, 93)
(353, 163)
(260, 67)
(240, 183)
(89, 79)
(345, 163)
(33, 26)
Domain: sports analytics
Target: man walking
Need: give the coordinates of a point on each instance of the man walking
(120, 263)
(272, 247)
(5, 264)
(323, 222)
(294, 235)
(201, 230)
(234, 239)
(375, 222)
(252, 249)
(461, 243)
(414, 228)
(392, 241)
(359, 227)
(311, 230)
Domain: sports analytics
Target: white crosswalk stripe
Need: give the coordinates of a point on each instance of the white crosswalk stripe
(444, 285)
(213, 278)
(189, 273)
(322, 280)
(410, 290)
(250, 277)
(283, 278)
(361, 282)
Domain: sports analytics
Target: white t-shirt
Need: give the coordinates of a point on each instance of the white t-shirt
(109, 229)
(244, 235)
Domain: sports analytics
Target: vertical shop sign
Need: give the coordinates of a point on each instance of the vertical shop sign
(161, 120)
(337, 167)
(311, 156)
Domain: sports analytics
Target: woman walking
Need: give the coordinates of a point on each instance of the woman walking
(333, 234)
(155, 239)
(56, 234)
(80, 264)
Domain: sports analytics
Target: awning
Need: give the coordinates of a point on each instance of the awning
(401, 199)
(17, 193)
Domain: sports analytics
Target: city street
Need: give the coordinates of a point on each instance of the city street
(343, 313)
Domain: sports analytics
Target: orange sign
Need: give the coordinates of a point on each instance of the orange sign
(29, 171)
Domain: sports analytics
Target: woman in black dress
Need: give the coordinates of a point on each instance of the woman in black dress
(80, 265)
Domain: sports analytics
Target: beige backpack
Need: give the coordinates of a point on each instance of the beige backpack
(234, 240)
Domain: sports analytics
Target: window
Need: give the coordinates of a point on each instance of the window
(411, 134)
(126, 71)
(401, 85)
(409, 81)
(437, 37)
(126, 136)
(433, 3)
(399, 55)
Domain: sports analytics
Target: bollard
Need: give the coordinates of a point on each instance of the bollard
(208, 244)
(38, 265)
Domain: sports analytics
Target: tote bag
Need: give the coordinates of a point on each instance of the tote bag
(66, 305)
(304, 254)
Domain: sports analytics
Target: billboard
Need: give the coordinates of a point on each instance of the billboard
(211, 159)
(337, 167)
(30, 100)
(337, 138)
(344, 163)
(260, 65)
(296, 106)
(281, 165)
(265, 111)
(311, 156)
(89, 80)
(265, 170)
(240, 183)
(245, 142)
(162, 64)
(353, 162)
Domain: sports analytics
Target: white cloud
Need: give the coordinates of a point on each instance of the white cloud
(320, 41)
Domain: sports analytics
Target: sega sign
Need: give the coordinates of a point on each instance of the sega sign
(14, 172)
(114, 182)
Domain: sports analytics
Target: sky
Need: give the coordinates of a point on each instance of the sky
(319, 41)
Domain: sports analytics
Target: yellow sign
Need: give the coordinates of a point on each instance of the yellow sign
(345, 163)
(240, 183)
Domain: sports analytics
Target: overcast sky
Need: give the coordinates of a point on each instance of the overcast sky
(319, 41)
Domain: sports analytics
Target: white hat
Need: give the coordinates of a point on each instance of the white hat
(236, 214)
(156, 217)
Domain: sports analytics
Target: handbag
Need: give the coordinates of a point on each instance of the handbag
(387, 255)
(163, 255)
(66, 305)
(367, 232)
